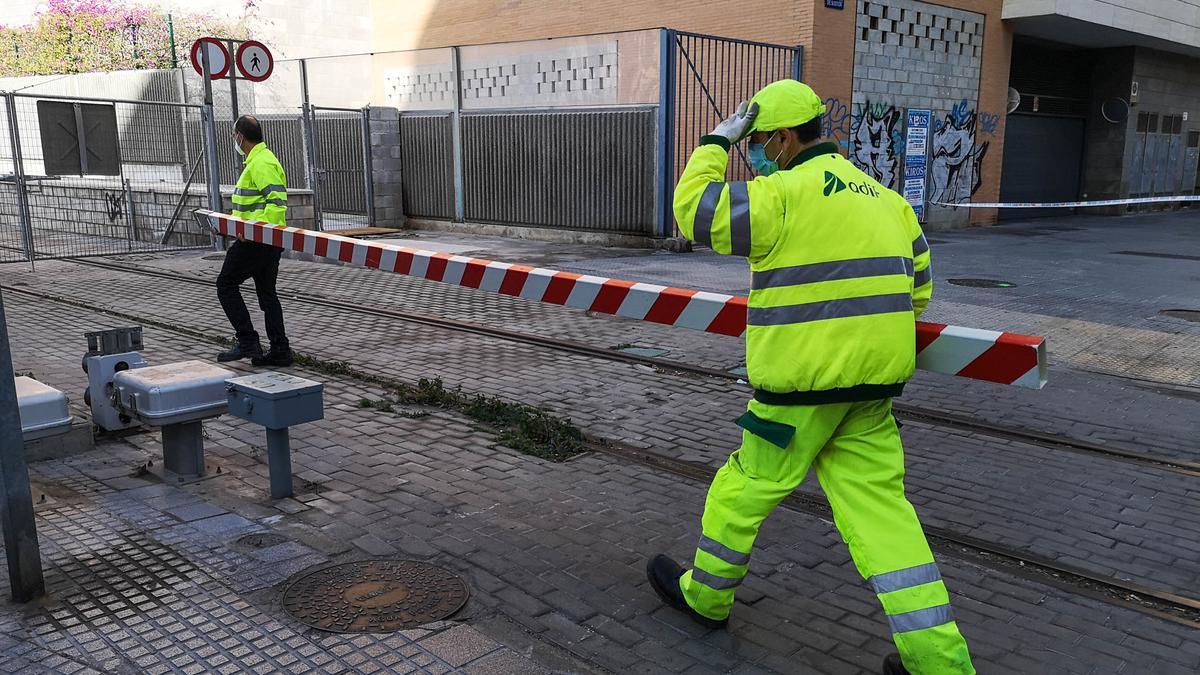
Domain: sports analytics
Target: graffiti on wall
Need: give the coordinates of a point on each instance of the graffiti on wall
(113, 201)
(877, 137)
(956, 159)
(988, 123)
(836, 122)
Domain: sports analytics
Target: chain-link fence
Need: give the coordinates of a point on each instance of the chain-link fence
(88, 176)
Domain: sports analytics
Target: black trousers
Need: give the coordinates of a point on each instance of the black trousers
(250, 260)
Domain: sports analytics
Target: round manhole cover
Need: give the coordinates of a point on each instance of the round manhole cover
(261, 540)
(982, 283)
(374, 596)
(1185, 314)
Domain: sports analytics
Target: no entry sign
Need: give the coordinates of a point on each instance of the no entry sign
(254, 61)
(218, 57)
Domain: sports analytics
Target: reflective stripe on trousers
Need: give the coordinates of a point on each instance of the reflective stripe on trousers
(906, 580)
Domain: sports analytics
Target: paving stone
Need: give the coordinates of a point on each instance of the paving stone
(446, 476)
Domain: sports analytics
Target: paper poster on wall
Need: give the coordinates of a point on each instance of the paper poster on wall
(916, 149)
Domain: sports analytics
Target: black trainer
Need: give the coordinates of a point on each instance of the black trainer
(240, 351)
(280, 358)
(664, 574)
(892, 665)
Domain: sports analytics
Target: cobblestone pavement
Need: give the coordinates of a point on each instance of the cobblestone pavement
(1108, 517)
(148, 578)
(1105, 516)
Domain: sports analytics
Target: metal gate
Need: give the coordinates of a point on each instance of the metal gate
(88, 177)
(703, 80)
(342, 163)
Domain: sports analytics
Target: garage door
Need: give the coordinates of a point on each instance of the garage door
(1043, 159)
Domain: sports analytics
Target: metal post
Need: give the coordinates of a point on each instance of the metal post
(665, 175)
(81, 139)
(183, 449)
(368, 168)
(209, 122)
(798, 63)
(308, 120)
(233, 102)
(14, 135)
(130, 216)
(460, 200)
(171, 36)
(20, 529)
(279, 462)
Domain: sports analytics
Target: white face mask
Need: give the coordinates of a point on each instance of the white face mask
(237, 146)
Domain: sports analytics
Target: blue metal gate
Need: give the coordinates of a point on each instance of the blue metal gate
(702, 79)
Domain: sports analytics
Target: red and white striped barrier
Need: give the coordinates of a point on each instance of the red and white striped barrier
(1006, 358)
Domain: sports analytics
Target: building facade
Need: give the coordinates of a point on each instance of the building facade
(949, 102)
(1106, 97)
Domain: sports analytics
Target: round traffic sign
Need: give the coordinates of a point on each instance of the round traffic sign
(254, 61)
(218, 57)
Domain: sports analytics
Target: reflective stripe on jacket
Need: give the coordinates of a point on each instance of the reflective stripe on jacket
(840, 272)
(261, 192)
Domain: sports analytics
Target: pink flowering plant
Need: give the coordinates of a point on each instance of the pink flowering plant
(81, 36)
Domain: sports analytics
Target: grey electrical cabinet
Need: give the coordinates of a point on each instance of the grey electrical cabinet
(276, 400)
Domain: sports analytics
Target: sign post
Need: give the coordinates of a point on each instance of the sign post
(916, 149)
(20, 530)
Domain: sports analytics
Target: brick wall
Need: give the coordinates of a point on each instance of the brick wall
(978, 74)
(439, 23)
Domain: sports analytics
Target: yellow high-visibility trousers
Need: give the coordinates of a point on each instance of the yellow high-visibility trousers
(856, 452)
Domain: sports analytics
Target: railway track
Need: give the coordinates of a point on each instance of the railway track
(1164, 604)
(906, 413)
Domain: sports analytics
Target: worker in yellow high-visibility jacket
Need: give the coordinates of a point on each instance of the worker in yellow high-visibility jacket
(261, 195)
(840, 273)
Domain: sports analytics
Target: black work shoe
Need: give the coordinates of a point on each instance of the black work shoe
(664, 574)
(241, 351)
(280, 358)
(892, 665)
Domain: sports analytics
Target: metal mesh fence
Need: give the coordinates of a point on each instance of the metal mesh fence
(101, 177)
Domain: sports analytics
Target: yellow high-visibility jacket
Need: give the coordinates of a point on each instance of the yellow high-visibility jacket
(840, 272)
(261, 192)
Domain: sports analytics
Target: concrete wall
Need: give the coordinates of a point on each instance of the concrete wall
(386, 168)
(1106, 144)
(1177, 21)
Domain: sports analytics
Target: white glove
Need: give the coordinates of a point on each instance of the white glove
(739, 125)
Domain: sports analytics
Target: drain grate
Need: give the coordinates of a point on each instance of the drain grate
(374, 596)
(982, 283)
(1185, 314)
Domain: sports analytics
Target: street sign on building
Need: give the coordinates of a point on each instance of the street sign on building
(916, 149)
(254, 61)
(218, 57)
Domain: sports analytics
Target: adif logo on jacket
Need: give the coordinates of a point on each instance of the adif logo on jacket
(834, 185)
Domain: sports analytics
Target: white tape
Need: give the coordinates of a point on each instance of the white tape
(1068, 205)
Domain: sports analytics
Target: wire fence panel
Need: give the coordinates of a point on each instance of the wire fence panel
(427, 166)
(103, 177)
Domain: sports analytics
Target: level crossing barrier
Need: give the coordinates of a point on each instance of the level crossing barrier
(992, 356)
